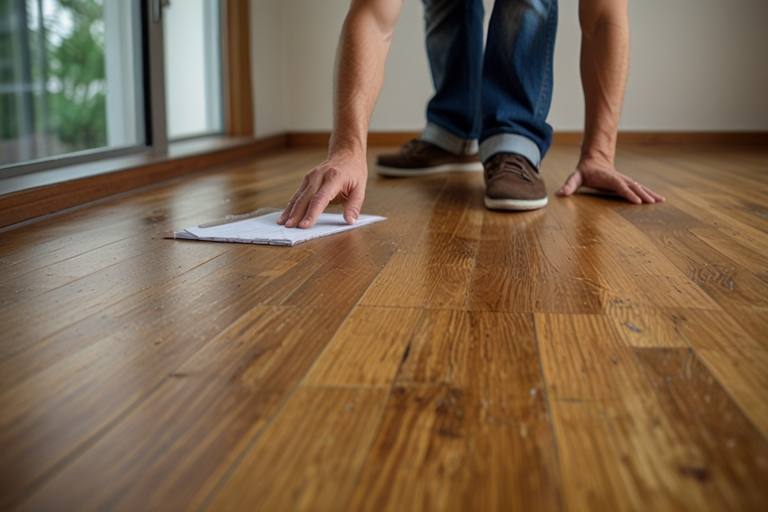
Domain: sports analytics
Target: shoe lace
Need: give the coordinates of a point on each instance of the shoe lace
(413, 146)
(509, 166)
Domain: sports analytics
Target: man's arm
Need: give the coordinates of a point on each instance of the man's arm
(358, 77)
(604, 69)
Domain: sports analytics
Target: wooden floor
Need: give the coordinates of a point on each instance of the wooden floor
(592, 355)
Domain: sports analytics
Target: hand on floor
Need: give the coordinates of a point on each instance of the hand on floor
(602, 175)
(340, 179)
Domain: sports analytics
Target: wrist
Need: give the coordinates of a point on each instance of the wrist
(599, 141)
(592, 154)
(347, 146)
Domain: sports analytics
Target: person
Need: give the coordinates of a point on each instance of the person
(490, 105)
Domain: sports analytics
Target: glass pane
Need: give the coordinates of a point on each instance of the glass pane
(69, 73)
(192, 37)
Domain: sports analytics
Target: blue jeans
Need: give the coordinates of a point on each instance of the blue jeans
(500, 97)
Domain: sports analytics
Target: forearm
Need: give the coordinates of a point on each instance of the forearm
(359, 70)
(604, 69)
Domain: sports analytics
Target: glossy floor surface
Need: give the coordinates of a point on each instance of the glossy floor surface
(592, 355)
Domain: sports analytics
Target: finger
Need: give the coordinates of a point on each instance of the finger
(318, 203)
(572, 184)
(640, 191)
(354, 204)
(287, 211)
(627, 193)
(284, 216)
(658, 197)
(300, 207)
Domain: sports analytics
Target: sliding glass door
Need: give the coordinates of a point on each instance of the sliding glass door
(82, 80)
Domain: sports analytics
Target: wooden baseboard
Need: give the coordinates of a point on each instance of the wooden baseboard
(675, 138)
(312, 139)
(35, 202)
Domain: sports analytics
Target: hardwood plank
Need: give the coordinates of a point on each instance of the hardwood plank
(701, 411)
(466, 427)
(736, 290)
(509, 264)
(754, 259)
(161, 315)
(176, 445)
(586, 260)
(739, 362)
(597, 384)
(39, 318)
(368, 349)
(438, 448)
(431, 286)
(588, 460)
(743, 237)
(712, 171)
(445, 251)
(310, 455)
(493, 352)
(650, 327)
(55, 275)
(622, 261)
(585, 359)
(44, 414)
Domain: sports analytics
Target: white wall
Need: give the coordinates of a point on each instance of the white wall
(695, 65)
(268, 53)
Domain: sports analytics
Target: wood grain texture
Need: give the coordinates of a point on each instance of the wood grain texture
(438, 448)
(466, 427)
(368, 350)
(731, 463)
(308, 458)
(661, 460)
(592, 355)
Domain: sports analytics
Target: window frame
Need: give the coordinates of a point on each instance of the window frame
(152, 85)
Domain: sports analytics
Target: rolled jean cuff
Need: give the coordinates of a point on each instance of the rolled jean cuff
(444, 139)
(511, 143)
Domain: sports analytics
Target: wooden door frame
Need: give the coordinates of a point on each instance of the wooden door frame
(236, 67)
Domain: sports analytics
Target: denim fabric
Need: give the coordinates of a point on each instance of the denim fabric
(500, 96)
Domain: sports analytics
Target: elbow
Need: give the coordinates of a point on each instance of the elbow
(596, 16)
(380, 15)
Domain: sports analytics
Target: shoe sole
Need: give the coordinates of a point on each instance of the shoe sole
(515, 204)
(399, 172)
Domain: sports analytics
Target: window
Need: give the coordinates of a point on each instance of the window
(81, 80)
(192, 68)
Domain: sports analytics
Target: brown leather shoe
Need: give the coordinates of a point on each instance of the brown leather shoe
(419, 158)
(512, 183)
